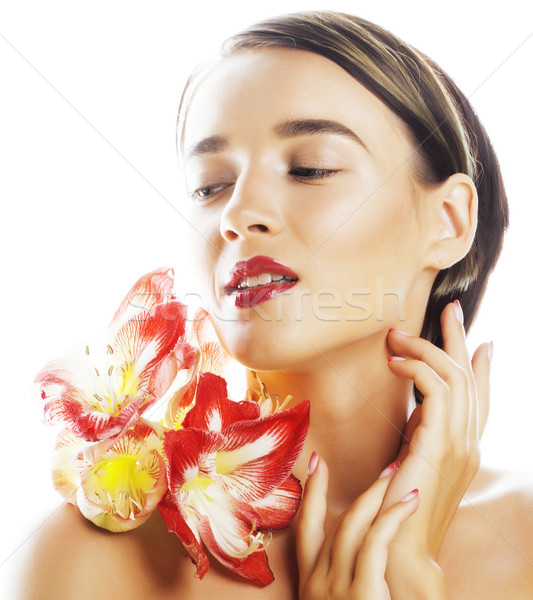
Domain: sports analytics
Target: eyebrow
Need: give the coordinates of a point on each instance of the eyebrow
(208, 145)
(285, 129)
(296, 127)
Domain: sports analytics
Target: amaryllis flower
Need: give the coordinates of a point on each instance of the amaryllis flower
(210, 358)
(149, 290)
(173, 382)
(219, 471)
(116, 487)
(229, 475)
(214, 359)
(105, 387)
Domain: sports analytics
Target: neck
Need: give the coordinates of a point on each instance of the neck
(358, 412)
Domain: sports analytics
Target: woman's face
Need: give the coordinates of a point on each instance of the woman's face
(286, 156)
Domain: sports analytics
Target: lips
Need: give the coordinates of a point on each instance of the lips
(257, 280)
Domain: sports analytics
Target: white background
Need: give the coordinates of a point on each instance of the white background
(91, 193)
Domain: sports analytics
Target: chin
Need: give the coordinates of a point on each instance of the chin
(272, 354)
(257, 353)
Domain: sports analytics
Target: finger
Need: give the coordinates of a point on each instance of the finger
(311, 517)
(435, 411)
(410, 428)
(454, 338)
(420, 349)
(481, 366)
(453, 334)
(372, 560)
(459, 382)
(355, 524)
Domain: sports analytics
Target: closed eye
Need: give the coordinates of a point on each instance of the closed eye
(208, 191)
(309, 173)
(301, 173)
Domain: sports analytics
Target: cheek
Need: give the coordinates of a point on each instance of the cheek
(375, 233)
(370, 255)
(203, 248)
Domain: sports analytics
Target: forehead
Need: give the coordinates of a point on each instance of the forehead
(253, 90)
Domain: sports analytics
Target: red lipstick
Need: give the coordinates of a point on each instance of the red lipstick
(246, 295)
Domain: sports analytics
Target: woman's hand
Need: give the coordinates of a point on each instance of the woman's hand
(375, 550)
(441, 451)
(350, 562)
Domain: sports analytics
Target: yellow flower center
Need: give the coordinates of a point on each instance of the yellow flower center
(130, 380)
(198, 484)
(121, 484)
(112, 385)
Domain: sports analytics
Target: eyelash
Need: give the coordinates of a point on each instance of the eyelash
(197, 194)
(310, 174)
(316, 173)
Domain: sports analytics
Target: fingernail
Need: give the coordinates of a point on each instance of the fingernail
(398, 331)
(388, 470)
(391, 358)
(490, 351)
(410, 496)
(313, 461)
(458, 311)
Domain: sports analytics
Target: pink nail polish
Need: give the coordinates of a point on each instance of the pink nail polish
(392, 330)
(388, 470)
(313, 461)
(458, 311)
(410, 496)
(391, 358)
(490, 351)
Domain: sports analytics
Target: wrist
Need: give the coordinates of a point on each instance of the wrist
(416, 576)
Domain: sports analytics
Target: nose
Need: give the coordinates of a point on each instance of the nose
(253, 209)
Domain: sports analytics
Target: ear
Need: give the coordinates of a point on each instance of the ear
(454, 220)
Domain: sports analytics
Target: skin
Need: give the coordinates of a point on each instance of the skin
(363, 227)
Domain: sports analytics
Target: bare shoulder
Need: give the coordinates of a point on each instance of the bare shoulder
(504, 500)
(488, 552)
(69, 558)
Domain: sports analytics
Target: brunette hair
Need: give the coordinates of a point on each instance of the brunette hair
(445, 130)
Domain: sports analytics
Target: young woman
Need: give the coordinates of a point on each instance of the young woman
(350, 209)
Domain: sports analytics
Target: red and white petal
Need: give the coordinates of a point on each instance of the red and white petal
(203, 334)
(141, 343)
(77, 407)
(204, 510)
(258, 456)
(163, 374)
(65, 477)
(189, 452)
(181, 403)
(184, 359)
(55, 388)
(213, 410)
(186, 354)
(152, 432)
(150, 289)
(190, 539)
(223, 526)
(254, 566)
(171, 380)
(278, 509)
(233, 540)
